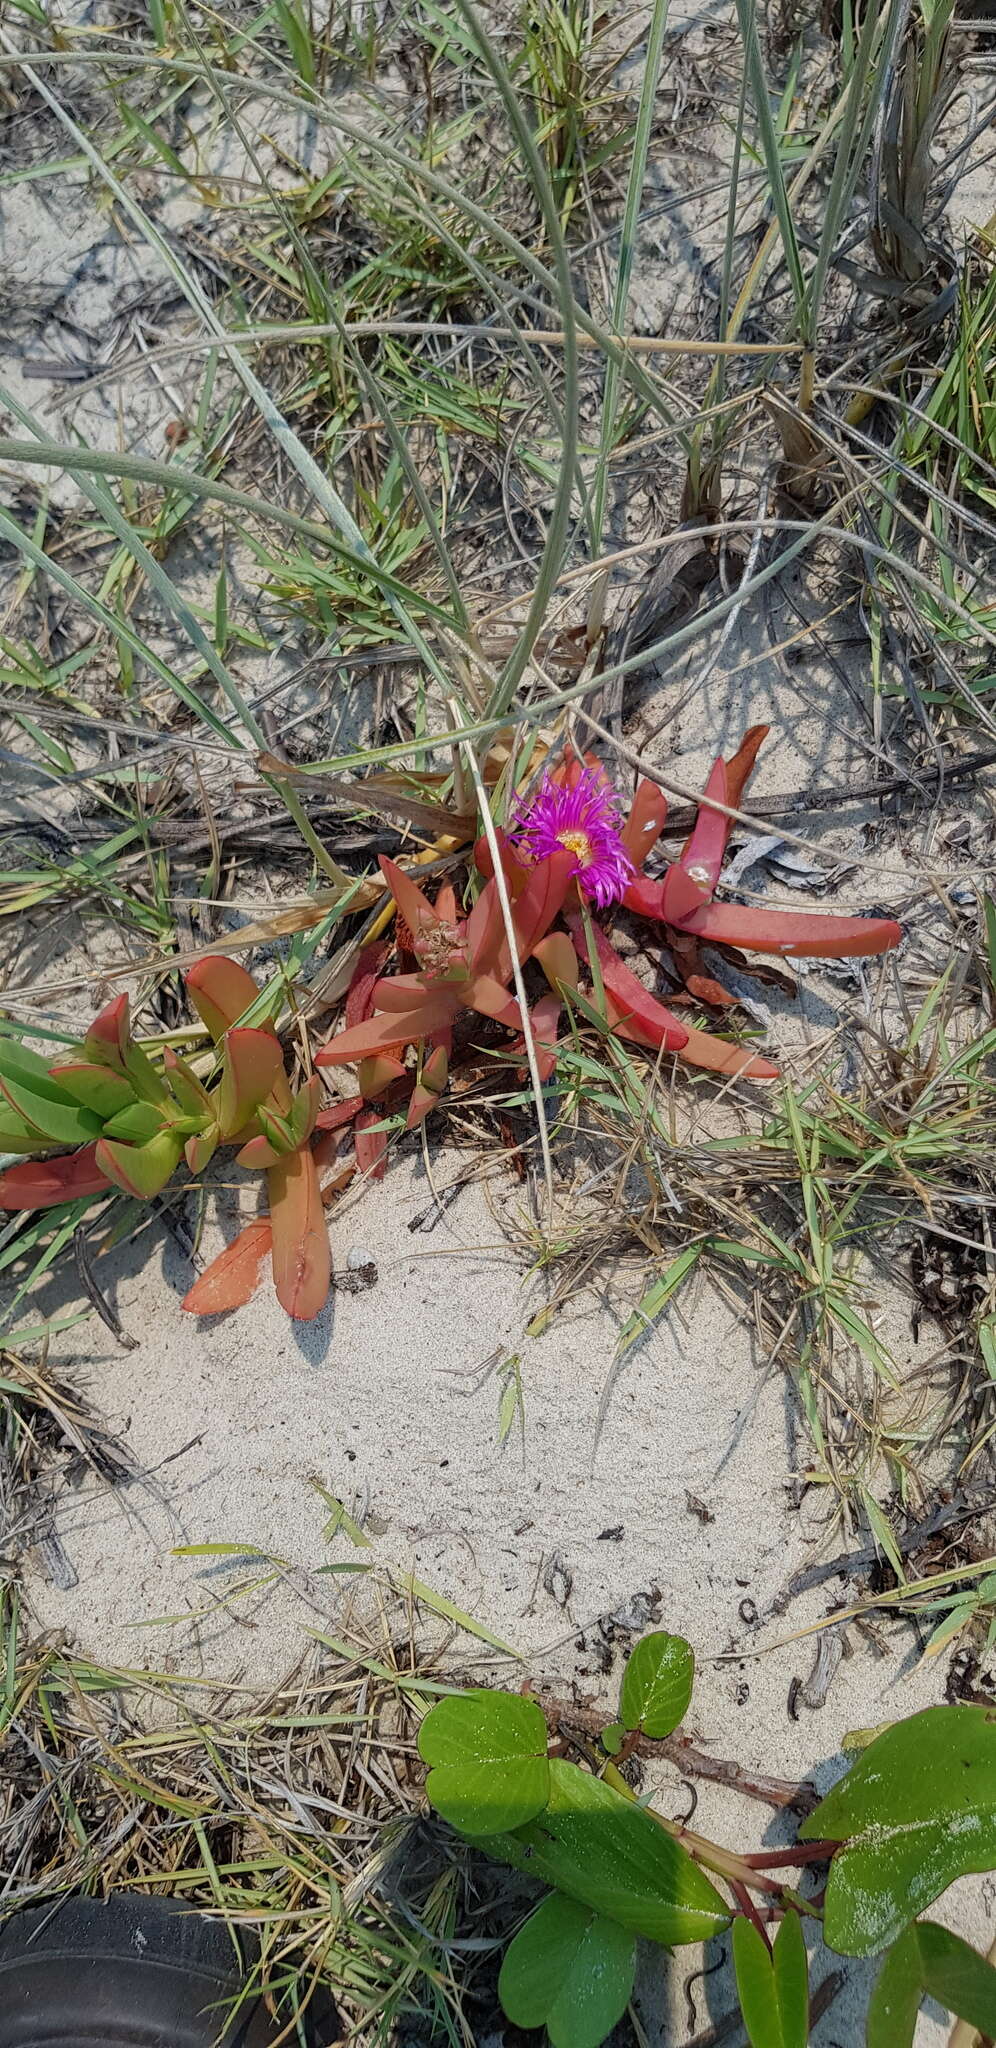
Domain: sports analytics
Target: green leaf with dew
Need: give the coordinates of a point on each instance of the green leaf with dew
(929, 1961)
(773, 1986)
(917, 1810)
(606, 1851)
(570, 1970)
(657, 1684)
(489, 1770)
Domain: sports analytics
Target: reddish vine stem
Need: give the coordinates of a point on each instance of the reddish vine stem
(749, 1910)
(562, 1716)
(802, 1852)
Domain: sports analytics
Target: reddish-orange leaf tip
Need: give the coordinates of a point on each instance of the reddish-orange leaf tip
(233, 1277)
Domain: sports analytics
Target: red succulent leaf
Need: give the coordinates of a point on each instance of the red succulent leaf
(420, 1103)
(699, 1050)
(200, 1149)
(689, 883)
(702, 858)
(646, 821)
(681, 895)
(339, 1113)
(558, 960)
(40, 1183)
(406, 992)
(221, 992)
(254, 1155)
(544, 1018)
(414, 906)
(541, 901)
(302, 1260)
(571, 766)
(633, 1004)
(233, 1277)
(325, 1152)
(484, 932)
(109, 1036)
(515, 871)
(740, 766)
(492, 999)
(794, 934)
(437, 941)
(377, 1074)
(387, 1033)
(370, 1146)
(366, 973)
(644, 895)
(702, 1050)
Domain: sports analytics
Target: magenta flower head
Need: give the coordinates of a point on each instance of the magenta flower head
(584, 821)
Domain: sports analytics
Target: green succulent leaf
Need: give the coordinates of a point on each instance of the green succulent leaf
(19, 1063)
(917, 1810)
(773, 1988)
(136, 1124)
(276, 1131)
(189, 1092)
(140, 1170)
(602, 1849)
(490, 1770)
(200, 1149)
(304, 1110)
(54, 1115)
(16, 1134)
(657, 1684)
(94, 1087)
(568, 1970)
(929, 1961)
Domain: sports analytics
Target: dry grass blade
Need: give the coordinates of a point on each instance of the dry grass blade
(294, 1814)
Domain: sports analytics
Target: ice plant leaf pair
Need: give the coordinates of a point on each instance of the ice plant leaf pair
(222, 992)
(140, 1119)
(683, 897)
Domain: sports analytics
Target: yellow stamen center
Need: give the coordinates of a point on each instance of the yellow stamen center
(578, 843)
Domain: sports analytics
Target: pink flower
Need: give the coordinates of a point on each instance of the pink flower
(585, 821)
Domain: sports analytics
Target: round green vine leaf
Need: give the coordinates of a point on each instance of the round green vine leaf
(490, 1771)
